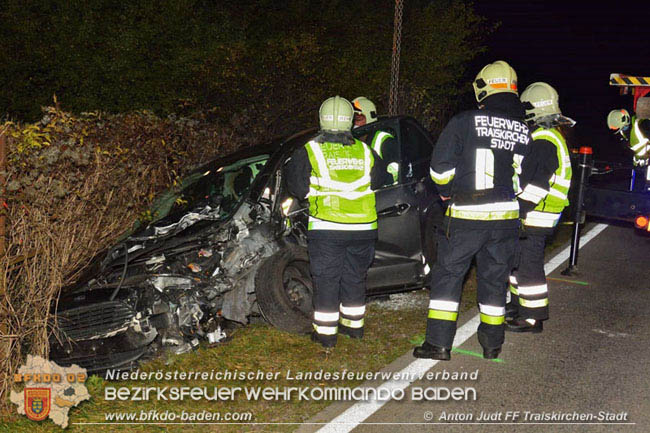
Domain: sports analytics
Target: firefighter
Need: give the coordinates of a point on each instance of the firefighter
(383, 142)
(639, 141)
(546, 179)
(338, 174)
(473, 165)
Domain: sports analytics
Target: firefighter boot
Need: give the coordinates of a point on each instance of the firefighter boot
(351, 332)
(325, 341)
(491, 353)
(430, 351)
(520, 324)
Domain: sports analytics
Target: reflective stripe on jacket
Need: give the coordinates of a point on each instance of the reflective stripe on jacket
(378, 140)
(639, 143)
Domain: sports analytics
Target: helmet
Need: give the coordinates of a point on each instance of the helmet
(618, 119)
(543, 101)
(335, 114)
(494, 78)
(365, 106)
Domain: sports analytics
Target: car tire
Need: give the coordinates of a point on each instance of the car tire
(284, 290)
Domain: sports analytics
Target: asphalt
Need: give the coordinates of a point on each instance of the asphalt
(590, 361)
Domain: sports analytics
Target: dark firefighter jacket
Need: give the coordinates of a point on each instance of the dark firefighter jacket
(475, 162)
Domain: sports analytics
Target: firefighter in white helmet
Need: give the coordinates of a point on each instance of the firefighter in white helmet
(473, 166)
(338, 174)
(383, 142)
(545, 179)
(637, 133)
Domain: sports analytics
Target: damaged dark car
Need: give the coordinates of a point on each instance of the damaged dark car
(228, 246)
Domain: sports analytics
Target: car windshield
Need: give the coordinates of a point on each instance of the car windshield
(211, 195)
(221, 188)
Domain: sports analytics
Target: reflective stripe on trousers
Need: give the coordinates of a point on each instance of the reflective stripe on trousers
(531, 290)
(494, 251)
(352, 317)
(338, 269)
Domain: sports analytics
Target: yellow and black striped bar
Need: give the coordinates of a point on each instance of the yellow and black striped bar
(628, 80)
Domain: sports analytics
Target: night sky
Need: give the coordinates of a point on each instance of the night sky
(574, 46)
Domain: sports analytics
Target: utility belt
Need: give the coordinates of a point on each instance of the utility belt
(494, 195)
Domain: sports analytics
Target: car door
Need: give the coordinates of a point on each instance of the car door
(398, 256)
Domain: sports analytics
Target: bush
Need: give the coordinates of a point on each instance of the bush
(74, 184)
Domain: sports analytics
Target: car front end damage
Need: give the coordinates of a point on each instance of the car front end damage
(166, 288)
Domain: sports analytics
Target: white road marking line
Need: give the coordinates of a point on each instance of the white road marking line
(611, 334)
(357, 413)
(560, 258)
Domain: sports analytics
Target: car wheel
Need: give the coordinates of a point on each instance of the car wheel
(284, 290)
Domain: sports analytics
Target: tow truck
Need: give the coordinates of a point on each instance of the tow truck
(600, 199)
(606, 202)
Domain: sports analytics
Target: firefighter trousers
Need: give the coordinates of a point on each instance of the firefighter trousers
(494, 250)
(528, 288)
(339, 269)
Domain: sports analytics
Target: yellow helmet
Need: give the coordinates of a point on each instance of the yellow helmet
(335, 114)
(494, 78)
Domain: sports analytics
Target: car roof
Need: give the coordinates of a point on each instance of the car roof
(274, 145)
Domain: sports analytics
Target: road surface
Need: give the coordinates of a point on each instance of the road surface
(587, 372)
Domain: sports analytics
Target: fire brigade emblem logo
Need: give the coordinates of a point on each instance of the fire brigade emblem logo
(48, 390)
(37, 403)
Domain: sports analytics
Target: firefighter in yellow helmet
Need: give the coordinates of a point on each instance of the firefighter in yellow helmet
(637, 133)
(545, 179)
(473, 165)
(383, 142)
(338, 175)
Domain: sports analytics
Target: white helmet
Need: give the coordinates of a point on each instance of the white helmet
(618, 119)
(542, 105)
(365, 106)
(335, 115)
(542, 99)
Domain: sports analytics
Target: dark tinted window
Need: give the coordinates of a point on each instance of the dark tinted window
(417, 146)
(389, 150)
